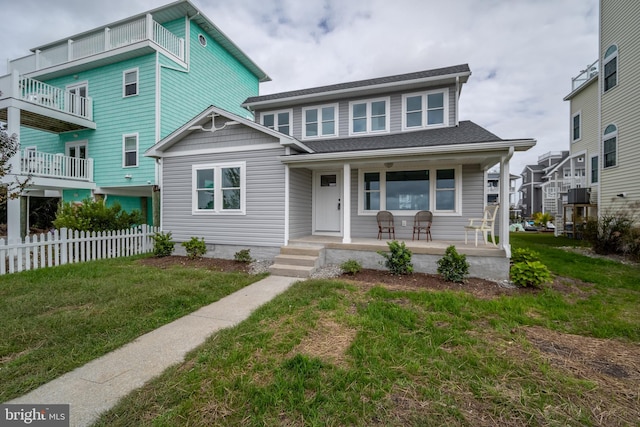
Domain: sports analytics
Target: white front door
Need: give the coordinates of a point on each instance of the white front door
(328, 202)
(76, 167)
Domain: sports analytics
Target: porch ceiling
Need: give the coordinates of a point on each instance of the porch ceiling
(45, 119)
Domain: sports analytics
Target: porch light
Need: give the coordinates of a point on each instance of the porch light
(128, 176)
(388, 165)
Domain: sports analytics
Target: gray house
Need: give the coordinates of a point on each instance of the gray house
(316, 166)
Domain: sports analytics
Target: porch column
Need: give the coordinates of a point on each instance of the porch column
(346, 203)
(504, 202)
(13, 205)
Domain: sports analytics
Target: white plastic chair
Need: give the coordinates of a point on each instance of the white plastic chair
(483, 225)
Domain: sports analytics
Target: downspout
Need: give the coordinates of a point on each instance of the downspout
(457, 100)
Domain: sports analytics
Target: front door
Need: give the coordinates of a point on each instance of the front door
(328, 202)
(77, 163)
(77, 102)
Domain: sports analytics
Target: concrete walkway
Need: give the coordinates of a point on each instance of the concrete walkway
(97, 386)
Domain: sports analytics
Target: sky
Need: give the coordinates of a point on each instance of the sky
(522, 53)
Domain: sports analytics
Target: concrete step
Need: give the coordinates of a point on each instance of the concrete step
(291, 270)
(301, 250)
(302, 260)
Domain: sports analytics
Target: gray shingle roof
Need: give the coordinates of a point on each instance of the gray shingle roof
(466, 133)
(455, 69)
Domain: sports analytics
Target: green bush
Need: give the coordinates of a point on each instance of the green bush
(524, 254)
(351, 266)
(530, 274)
(94, 215)
(243, 255)
(195, 247)
(163, 244)
(453, 266)
(398, 261)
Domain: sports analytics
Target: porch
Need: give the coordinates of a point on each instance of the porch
(58, 166)
(485, 261)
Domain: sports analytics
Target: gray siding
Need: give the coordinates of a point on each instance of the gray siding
(300, 203)
(231, 136)
(263, 223)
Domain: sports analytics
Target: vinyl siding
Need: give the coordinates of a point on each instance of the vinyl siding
(300, 203)
(263, 224)
(619, 25)
(214, 77)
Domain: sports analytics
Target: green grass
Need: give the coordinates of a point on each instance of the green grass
(331, 353)
(56, 319)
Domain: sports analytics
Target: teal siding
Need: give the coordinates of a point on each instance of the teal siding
(75, 195)
(214, 78)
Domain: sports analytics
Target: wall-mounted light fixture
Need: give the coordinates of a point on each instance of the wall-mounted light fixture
(622, 195)
(388, 165)
(128, 176)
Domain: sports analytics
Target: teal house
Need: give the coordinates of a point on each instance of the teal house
(86, 108)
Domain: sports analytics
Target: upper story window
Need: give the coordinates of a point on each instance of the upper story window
(371, 116)
(278, 120)
(427, 109)
(202, 40)
(576, 126)
(320, 121)
(610, 67)
(130, 82)
(408, 191)
(130, 150)
(610, 146)
(594, 169)
(219, 188)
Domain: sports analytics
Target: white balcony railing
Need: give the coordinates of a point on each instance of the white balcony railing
(39, 93)
(584, 75)
(102, 41)
(37, 163)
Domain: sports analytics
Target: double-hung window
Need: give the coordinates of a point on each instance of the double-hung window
(130, 82)
(610, 146)
(130, 150)
(409, 191)
(218, 188)
(610, 67)
(320, 121)
(576, 126)
(426, 109)
(594, 169)
(278, 120)
(370, 116)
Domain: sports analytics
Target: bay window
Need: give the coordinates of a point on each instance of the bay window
(218, 188)
(408, 191)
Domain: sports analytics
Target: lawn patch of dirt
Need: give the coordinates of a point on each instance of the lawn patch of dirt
(214, 264)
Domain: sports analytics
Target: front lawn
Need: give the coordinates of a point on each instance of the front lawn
(56, 319)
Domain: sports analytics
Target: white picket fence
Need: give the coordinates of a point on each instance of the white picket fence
(71, 246)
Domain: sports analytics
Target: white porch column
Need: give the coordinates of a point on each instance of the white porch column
(504, 202)
(13, 205)
(346, 203)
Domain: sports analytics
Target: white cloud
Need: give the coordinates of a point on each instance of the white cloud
(522, 53)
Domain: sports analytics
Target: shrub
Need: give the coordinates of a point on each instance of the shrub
(524, 254)
(351, 266)
(163, 244)
(530, 273)
(542, 219)
(398, 261)
(94, 215)
(607, 234)
(453, 266)
(195, 247)
(243, 255)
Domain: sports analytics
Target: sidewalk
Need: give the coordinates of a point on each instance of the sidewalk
(97, 386)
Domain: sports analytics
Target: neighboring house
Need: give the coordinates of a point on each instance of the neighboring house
(86, 108)
(493, 188)
(534, 192)
(320, 163)
(604, 125)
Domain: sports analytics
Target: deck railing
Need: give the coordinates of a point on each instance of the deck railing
(49, 165)
(584, 76)
(101, 41)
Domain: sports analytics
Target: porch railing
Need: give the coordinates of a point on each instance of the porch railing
(584, 75)
(101, 41)
(49, 165)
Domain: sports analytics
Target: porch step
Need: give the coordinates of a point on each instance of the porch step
(297, 261)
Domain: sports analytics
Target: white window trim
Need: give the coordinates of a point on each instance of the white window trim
(124, 84)
(124, 152)
(424, 95)
(432, 191)
(577, 113)
(275, 119)
(217, 171)
(387, 100)
(595, 156)
(320, 121)
(606, 137)
(606, 60)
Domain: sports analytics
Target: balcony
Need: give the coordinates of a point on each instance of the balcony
(44, 106)
(103, 40)
(584, 76)
(47, 165)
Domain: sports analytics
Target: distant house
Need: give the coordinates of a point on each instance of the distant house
(534, 189)
(318, 164)
(87, 107)
(493, 188)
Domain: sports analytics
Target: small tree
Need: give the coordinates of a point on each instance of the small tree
(542, 219)
(9, 147)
